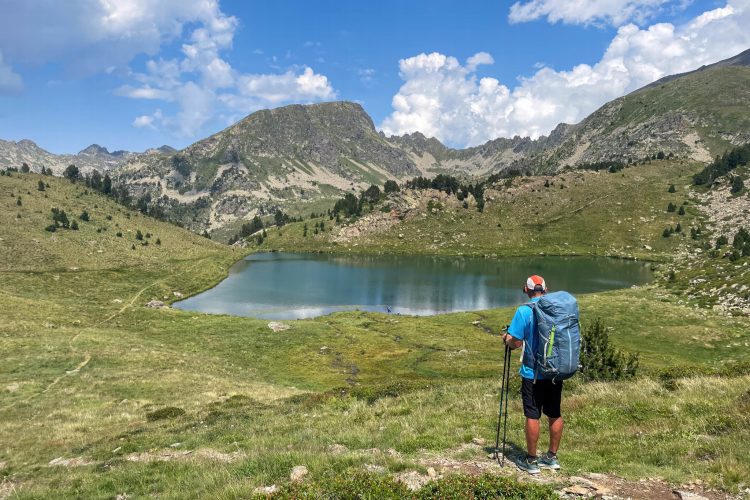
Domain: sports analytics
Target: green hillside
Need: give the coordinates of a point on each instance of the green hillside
(576, 213)
(104, 397)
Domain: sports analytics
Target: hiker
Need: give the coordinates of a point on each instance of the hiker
(538, 393)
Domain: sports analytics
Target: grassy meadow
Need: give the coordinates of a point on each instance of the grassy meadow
(102, 396)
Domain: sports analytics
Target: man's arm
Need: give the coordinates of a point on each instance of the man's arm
(511, 341)
(513, 337)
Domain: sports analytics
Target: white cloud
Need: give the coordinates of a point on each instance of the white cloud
(93, 36)
(615, 12)
(478, 59)
(10, 81)
(442, 98)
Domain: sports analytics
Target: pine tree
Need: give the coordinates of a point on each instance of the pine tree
(737, 185)
(138, 235)
(681, 211)
(18, 201)
(40, 186)
(74, 226)
(671, 189)
(84, 216)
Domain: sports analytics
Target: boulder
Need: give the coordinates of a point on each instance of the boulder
(277, 327)
(155, 304)
(298, 474)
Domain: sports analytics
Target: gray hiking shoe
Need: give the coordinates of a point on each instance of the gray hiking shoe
(528, 464)
(549, 461)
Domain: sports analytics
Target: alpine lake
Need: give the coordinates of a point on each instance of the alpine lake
(285, 286)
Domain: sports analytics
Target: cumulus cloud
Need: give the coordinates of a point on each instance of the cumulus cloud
(95, 36)
(10, 81)
(443, 98)
(615, 12)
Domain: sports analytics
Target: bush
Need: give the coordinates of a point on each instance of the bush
(600, 360)
(671, 189)
(138, 235)
(671, 207)
(74, 226)
(737, 185)
(84, 216)
(666, 232)
(681, 211)
(721, 241)
(391, 187)
(18, 202)
(40, 186)
(51, 228)
(164, 413)
(119, 234)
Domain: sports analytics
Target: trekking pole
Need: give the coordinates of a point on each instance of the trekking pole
(507, 390)
(506, 365)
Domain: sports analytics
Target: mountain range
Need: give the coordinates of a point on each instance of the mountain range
(298, 155)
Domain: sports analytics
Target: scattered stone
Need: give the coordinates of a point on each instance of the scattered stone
(117, 449)
(70, 462)
(122, 496)
(463, 352)
(392, 453)
(277, 327)
(337, 449)
(432, 473)
(413, 480)
(117, 301)
(375, 469)
(175, 445)
(177, 294)
(578, 490)
(265, 490)
(479, 441)
(13, 387)
(298, 474)
(687, 495)
(324, 349)
(155, 304)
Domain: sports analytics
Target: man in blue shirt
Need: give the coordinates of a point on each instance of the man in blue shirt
(539, 395)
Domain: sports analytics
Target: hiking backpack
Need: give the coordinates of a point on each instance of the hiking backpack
(558, 337)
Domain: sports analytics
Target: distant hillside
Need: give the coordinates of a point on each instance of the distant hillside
(15, 154)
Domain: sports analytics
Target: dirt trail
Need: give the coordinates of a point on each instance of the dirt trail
(87, 356)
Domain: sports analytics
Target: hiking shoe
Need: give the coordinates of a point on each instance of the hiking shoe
(549, 461)
(528, 464)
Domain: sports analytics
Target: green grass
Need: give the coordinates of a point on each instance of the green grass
(87, 371)
(594, 214)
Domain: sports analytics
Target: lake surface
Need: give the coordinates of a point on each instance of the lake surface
(295, 286)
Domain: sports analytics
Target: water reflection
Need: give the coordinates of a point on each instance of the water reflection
(294, 286)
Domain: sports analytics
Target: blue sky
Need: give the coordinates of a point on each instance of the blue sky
(135, 74)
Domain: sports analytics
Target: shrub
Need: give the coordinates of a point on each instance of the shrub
(25, 168)
(164, 413)
(666, 232)
(681, 211)
(158, 241)
(671, 207)
(84, 216)
(600, 360)
(391, 187)
(737, 185)
(51, 228)
(721, 241)
(18, 201)
(40, 186)
(671, 189)
(74, 226)
(119, 234)
(138, 235)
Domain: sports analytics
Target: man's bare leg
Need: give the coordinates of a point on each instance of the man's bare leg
(532, 435)
(555, 433)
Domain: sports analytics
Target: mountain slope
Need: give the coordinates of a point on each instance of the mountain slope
(272, 158)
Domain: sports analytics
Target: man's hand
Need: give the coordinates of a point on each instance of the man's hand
(510, 341)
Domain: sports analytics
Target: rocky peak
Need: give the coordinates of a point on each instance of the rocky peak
(94, 149)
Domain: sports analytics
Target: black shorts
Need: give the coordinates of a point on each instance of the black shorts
(541, 397)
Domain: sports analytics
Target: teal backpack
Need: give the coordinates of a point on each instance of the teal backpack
(558, 337)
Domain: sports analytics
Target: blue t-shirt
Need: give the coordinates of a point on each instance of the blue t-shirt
(523, 327)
